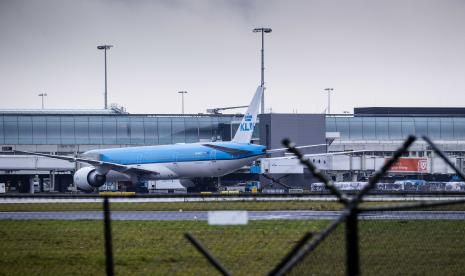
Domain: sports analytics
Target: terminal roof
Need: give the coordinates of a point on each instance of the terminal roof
(61, 111)
(409, 111)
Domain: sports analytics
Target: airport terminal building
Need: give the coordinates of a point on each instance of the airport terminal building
(374, 132)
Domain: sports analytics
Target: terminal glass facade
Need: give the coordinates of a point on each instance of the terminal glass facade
(113, 129)
(32, 129)
(396, 128)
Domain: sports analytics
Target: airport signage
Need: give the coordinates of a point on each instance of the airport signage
(410, 164)
(228, 217)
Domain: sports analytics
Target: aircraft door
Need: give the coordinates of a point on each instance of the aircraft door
(213, 155)
(213, 163)
(140, 159)
(178, 158)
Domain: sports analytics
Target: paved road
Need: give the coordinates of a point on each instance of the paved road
(253, 215)
(9, 200)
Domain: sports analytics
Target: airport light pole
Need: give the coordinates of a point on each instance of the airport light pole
(182, 99)
(329, 90)
(42, 95)
(263, 31)
(105, 48)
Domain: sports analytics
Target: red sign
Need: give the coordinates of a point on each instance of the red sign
(410, 165)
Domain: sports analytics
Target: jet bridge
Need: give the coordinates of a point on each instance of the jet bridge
(340, 163)
(33, 163)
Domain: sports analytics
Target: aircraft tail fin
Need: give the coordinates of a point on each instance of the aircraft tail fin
(245, 130)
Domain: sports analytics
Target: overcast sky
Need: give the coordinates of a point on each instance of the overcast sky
(373, 53)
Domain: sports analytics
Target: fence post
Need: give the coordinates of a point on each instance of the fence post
(353, 265)
(108, 239)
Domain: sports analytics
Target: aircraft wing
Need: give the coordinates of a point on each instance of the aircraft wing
(299, 147)
(335, 153)
(102, 164)
(292, 156)
(228, 150)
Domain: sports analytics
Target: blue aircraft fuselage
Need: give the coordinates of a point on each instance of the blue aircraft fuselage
(177, 153)
(181, 160)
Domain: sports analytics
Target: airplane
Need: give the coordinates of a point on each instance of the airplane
(176, 161)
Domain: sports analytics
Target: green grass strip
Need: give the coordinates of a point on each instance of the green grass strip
(159, 248)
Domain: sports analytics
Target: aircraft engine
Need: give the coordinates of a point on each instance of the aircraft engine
(87, 178)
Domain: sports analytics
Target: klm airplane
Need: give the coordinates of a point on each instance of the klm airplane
(178, 161)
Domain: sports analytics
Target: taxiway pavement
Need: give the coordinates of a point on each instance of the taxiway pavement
(252, 215)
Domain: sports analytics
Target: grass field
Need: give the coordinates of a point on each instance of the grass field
(197, 206)
(159, 248)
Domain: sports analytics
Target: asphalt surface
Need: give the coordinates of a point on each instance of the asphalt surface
(9, 200)
(253, 215)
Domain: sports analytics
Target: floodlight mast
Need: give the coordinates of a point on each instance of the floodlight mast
(42, 95)
(329, 90)
(263, 31)
(105, 48)
(182, 100)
